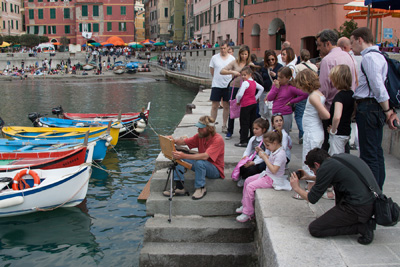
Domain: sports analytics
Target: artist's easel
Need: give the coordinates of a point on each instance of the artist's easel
(167, 147)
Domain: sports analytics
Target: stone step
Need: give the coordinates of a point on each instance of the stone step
(213, 185)
(198, 254)
(198, 229)
(213, 204)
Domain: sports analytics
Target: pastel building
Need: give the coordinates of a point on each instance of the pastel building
(216, 20)
(265, 24)
(139, 21)
(11, 17)
(95, 19)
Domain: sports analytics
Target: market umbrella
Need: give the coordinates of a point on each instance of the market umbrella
(5, 44)
(136, 46)
(159, 44)
(358, 14)
(95, 44)
(384, 4)
(115, 40)
(147, 42)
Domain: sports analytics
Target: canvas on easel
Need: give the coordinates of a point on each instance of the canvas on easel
(167, 147)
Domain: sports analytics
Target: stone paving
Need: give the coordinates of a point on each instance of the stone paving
(282, 221)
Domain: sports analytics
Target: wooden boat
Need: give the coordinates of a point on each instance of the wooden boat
(127, 127)
(27, 191)
(137, 121)
(21, 132)
(42, 145)
(43, 160)
(119, 69)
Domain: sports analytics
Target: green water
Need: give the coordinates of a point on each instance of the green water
(107, 229)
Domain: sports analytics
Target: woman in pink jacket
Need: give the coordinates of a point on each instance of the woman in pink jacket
(284, 95)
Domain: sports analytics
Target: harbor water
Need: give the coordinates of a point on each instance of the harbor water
(107, 229)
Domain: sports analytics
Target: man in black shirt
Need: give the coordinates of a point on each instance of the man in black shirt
(353, 211)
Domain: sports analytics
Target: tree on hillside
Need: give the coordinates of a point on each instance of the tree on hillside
(12, 39)
(43, 39)
(347, 28)
(29, 40)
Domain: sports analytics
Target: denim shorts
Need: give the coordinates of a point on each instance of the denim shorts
(218, 93)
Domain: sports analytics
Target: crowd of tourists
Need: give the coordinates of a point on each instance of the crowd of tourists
(265, 96)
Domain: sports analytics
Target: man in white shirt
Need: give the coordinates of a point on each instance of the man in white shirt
(219, 87)
(371, 96)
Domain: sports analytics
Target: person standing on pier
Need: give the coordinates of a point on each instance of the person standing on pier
(209, 162)
(219, 87)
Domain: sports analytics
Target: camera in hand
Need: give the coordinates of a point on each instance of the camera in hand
(298, 173)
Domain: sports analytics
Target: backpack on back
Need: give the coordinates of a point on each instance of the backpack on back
(392, 82)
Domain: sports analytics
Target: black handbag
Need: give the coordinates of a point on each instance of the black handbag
(386, 211)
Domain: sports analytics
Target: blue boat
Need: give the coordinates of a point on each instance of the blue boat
(11, 145)
(132, 66)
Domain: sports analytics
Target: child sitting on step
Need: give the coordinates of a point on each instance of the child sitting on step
(272, 177)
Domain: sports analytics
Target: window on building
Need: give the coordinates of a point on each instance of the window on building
(215, 14)
(17, 8)
(40, 0)
(66, 13)
(11, 8)
(52, 13)
(80, 27)
(205, 18)
(231, 9)
(219, 12)
(109, 26)
(40, 13)
(123, 10)
(2, 6)
(95, 11)
(53, 29)
(44, 29)
(67, 29)
(84, 10)
(109, 10)
(166, 12)
(30, 0)
(16, 24)
(89, 27)
(183, 20)
(197, 23)
(122, 26)
(31, 14)
(95, 27)
(49, 27)
(12, 24)
(4, 25)
(245, 2)
(36, 29)
(201, 20)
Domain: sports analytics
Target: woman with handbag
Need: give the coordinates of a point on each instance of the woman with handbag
(269, 73)
(234, 69)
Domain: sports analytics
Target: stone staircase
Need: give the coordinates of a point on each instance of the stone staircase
(202, 232)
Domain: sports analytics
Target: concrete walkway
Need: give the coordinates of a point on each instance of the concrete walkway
(282, 221)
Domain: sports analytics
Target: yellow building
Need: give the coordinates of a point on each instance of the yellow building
(139, 21)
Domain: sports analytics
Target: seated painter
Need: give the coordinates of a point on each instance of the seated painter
(209, 162)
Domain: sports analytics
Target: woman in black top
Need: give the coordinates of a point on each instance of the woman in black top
(269, 73)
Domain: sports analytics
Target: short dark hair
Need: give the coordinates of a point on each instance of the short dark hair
(363, 33)
(328, 35)
(316, 155)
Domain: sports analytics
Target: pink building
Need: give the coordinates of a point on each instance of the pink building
(10, 17)
(265, 24)
(215, 20)
(104, 18)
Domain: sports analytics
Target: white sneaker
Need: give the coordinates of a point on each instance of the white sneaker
(239, 210)
(240, 183)
(243, 218)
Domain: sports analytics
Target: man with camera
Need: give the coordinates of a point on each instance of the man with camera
(353, 211)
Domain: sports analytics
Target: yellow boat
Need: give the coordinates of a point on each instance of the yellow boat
(22, 132)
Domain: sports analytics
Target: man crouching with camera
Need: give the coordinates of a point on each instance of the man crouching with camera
(353, 211)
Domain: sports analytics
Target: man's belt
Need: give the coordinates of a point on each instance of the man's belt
(368, 100)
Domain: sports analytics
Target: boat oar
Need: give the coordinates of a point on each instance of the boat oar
(109, 126)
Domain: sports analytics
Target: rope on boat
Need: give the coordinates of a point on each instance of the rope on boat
(68, 200)
(96, 165)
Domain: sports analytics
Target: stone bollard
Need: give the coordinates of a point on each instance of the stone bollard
(189, 108)
(201, 88)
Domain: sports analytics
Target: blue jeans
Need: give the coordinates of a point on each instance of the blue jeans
(298, 116)
(201, 168)
(370, 121)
